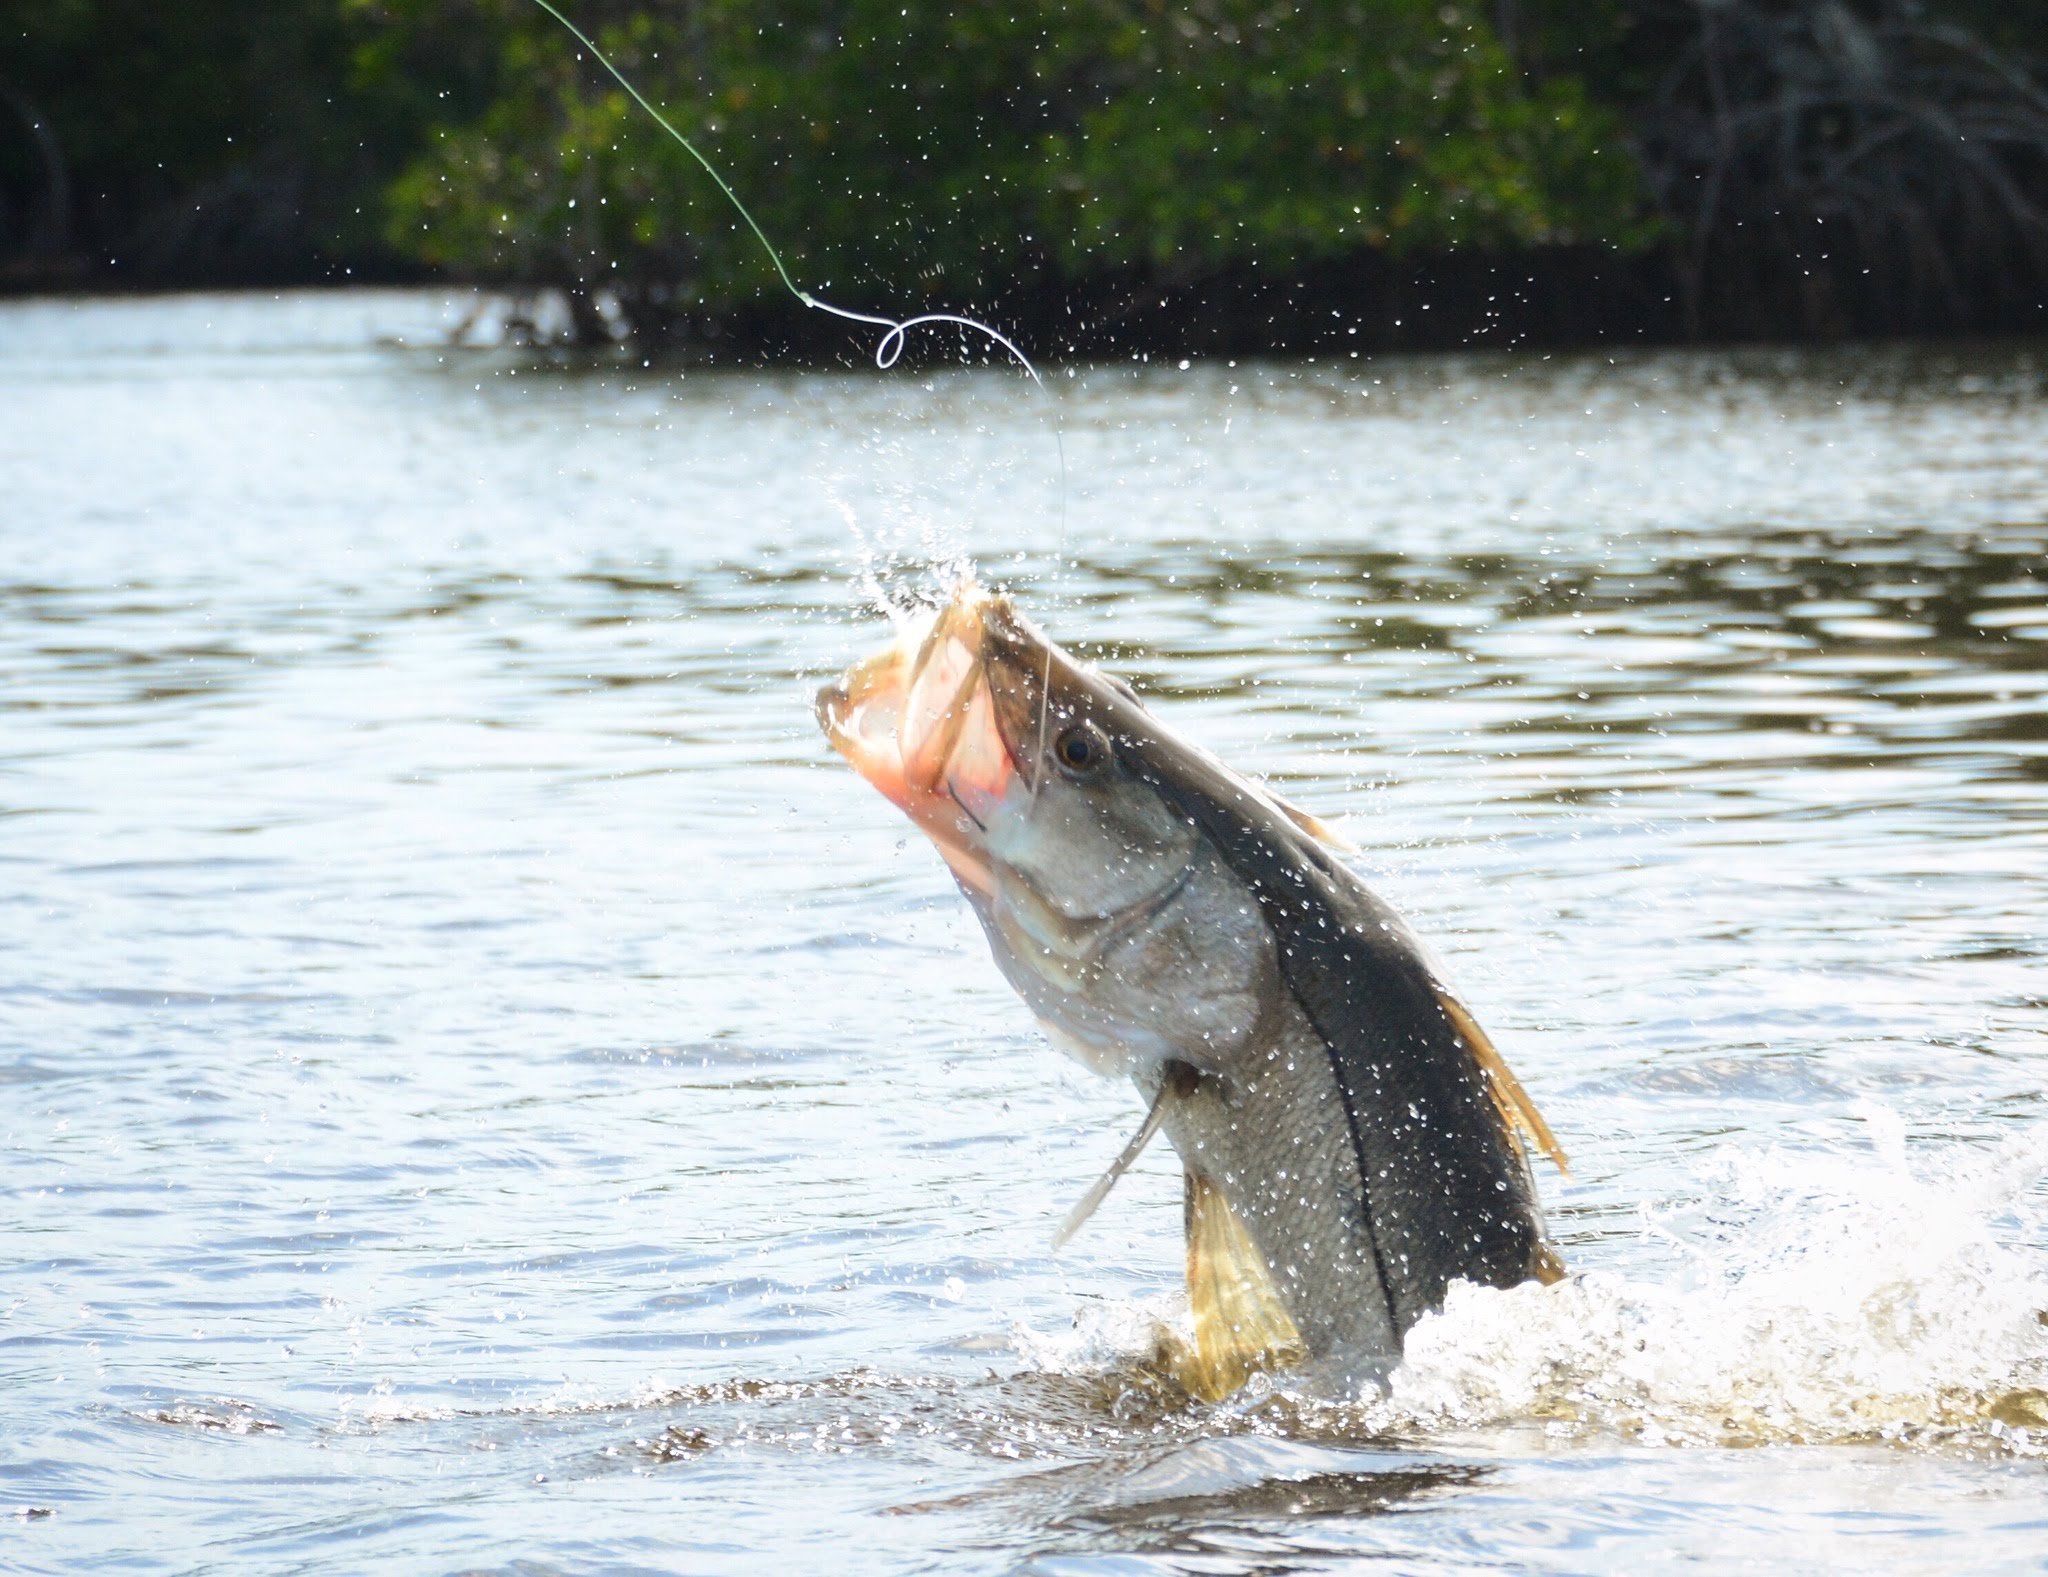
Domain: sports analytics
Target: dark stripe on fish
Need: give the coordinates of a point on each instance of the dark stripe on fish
(1445, 1184)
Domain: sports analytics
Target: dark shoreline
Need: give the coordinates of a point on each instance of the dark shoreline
(1558, 299)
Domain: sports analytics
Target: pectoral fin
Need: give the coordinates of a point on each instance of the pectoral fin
(1241, 1323)
(1078, 1216)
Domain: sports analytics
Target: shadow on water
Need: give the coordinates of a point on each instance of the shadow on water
(1116, 1461)
(1277, 1505)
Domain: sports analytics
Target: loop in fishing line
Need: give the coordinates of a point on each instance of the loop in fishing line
(889, 350)
(896, 331)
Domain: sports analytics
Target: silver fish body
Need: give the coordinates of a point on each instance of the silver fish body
(1351, 1141)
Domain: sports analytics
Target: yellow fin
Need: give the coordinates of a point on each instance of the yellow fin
(1241, 1324)
(1314, 826)
(1509, 1098)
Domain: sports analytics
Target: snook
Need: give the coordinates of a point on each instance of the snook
(1351, 1140)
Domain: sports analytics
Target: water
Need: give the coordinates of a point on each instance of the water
(482, 1089)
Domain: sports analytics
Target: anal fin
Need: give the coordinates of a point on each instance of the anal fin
(1241, 1322)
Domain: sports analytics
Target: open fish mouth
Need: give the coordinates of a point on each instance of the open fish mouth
(918, 721)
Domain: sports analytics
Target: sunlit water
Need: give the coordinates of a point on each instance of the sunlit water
(481, 1088)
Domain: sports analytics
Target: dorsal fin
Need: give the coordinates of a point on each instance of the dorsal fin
(1516, 1109)
(1314, 826)
(1241, 1323)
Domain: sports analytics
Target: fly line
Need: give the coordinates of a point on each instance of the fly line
(889, 349)
(895, 331)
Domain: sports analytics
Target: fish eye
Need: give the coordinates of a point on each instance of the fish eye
(1080, 749)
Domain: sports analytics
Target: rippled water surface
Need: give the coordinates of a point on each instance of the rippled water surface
(482, 1089)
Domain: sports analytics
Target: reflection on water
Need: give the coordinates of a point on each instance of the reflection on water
(480, 1089)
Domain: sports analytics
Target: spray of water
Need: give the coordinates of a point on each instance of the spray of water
(1841, 1296)
(895, 331)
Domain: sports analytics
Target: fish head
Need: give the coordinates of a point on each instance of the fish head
(1015, 760)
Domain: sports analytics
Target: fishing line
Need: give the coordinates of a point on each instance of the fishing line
(895, 331)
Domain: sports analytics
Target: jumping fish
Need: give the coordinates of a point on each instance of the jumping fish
(1351, 1141)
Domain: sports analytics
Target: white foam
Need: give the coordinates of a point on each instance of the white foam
(1105, 1334)
(1830, 1296)
(1814, 1297)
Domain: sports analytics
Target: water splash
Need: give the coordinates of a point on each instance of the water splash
(1827, 1298)
(1831, 1297)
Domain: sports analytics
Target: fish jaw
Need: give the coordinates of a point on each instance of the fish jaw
(917, 721)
